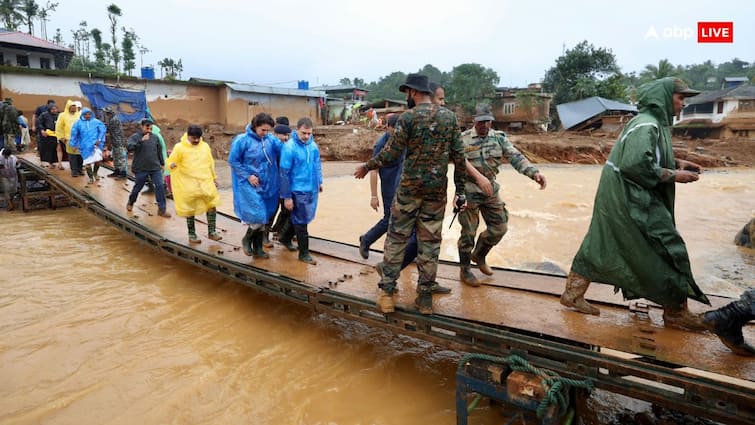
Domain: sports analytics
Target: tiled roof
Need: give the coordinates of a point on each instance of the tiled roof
(22, 39)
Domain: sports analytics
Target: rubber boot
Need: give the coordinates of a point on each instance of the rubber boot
(285, 236)
(259, 252)
(574, 294)
(682, 318)
(479, 254)
(246, 242)
(266, 242)
(212, 219)
(727, 321)
(302, 238)
(193, 238)
(424, 300)
(465, 274)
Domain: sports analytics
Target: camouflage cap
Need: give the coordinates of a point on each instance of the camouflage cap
(682, 88)
(482, 113)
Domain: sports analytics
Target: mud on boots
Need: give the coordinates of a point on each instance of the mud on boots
(424, 300)
(481, 251)
(574, 294)
(727, 322)
(465, 273)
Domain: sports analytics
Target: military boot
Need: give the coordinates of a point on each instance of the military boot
(385, 301)
(727, 321)
(257, 249)
(424, 300)
(246, 242)
(465, 274)
(682, 318)
(574, 294)
(479, 254)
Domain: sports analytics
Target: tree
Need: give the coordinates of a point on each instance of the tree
(344, 81)
(127, 46)
(58, 37)
(581, 72)
(386, 87)
(172, 69)
(435, 75)
(113, 12)
(99, 51)
(10, 15)
(81, 40)
(358, 82)
(470, 83)
(30, 10)
(652, 72)
(44, 13)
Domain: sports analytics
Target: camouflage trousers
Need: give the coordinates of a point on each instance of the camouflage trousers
(496, 218)
(407, 214)
(120, 158)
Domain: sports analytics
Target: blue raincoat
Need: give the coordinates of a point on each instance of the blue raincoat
(301, 177)
(86, 133)
(254, 156)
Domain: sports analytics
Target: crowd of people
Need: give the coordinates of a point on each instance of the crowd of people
(276, 170)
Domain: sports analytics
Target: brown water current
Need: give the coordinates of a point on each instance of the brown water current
(98, 329)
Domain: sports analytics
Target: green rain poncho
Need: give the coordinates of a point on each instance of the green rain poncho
(632, 242)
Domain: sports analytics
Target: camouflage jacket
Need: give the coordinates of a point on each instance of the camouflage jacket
(115, 133)
(9, 119)
(487, 154)
(430, 136)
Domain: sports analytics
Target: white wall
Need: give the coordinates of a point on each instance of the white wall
(66, 86)
(9, 56)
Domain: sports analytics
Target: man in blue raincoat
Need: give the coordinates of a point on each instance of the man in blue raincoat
(301, 182)
(632, 242)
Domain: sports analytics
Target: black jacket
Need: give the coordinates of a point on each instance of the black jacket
(148, 155)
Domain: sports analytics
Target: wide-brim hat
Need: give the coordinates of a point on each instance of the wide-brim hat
(417, 82)
(108, 110)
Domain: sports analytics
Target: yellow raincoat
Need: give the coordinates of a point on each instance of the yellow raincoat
(193, 178)
(65, 123)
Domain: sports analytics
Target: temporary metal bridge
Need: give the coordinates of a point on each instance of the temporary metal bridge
(625, 350)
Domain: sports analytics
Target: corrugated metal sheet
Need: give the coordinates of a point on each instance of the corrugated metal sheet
(573, 113)
(252, 88)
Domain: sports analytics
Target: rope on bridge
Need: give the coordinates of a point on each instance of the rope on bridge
(558, 386)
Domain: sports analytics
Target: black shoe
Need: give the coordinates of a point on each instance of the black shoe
(114, 174)
(435, 288)
(364, 250)
(727, 321)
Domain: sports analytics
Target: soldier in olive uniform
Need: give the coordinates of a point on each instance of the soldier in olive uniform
(430, 135)
(486, 150)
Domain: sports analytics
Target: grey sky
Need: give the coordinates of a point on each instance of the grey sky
(321, 41)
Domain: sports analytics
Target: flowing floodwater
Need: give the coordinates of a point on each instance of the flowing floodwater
(98, 329)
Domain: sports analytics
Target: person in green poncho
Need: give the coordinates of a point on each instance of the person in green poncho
(632, 242)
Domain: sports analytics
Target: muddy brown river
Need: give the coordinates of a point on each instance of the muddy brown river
(98, 329)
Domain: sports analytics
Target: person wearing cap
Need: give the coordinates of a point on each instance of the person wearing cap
(632, 242)
(195, 186)
(428, 136)
(117, 143)
(255, 179)
(282, 223)
(88, 136)
(486, 151)
(66, 119)
(148, 162)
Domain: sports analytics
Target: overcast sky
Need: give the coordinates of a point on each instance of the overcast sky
(282, 41)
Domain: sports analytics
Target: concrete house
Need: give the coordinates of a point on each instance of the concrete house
(26, 51)
(719, 114)
(521, 108)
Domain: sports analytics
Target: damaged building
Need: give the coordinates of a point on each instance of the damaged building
(720, 114)
(595, 114)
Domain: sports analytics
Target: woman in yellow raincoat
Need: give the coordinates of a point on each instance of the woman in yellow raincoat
(194, 182)
(66, 119)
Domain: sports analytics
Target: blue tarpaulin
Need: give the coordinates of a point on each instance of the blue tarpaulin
(130, 105)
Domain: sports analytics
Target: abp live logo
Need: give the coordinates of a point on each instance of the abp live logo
(715, 32)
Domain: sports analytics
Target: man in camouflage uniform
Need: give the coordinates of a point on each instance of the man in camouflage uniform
(486, 150)
(430, 136)
(9, 123)
(117, 143)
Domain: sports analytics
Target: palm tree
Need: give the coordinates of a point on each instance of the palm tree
(113, 12)
(10, 15)
(652, 72)
(43, 14)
